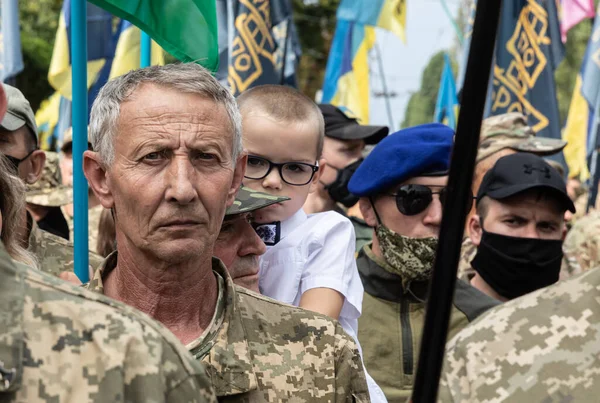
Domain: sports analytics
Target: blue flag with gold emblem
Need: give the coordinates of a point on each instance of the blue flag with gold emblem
(258, 43)
(528, 50)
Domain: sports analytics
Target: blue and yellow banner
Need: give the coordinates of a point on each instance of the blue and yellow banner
(387, 14)
(258, 43)
(346, 82)
(446, 106)
(528, 50)
(11, 57)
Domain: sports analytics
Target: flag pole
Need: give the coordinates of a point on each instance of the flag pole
(80, 115)
(388, 107)
(146, 50)
(441, 290)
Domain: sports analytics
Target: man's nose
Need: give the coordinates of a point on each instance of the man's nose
(181, 178)
(434, 212)
(252, 244)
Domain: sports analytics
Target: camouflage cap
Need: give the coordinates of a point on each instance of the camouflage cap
(18, 112)
(510, 130)
(249, 200)
(49, 190)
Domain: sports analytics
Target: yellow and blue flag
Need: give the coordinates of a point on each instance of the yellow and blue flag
(128, 51)
(528, 50)
(258, 43)
(387, 14)
(346, 82)
(11, 57)
(446, 106)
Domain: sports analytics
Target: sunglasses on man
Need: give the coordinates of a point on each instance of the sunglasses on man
(414, 199)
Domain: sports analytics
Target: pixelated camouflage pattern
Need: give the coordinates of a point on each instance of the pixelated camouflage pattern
(257, 349)
(49, 190)
(466, 272)
(248, 200)
(53, 253)
(93, 226)
(510, 130)
(542, 347)
(583, 243)
(61, 343)
(410, 258)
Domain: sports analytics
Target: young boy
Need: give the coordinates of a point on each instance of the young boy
(310, 258)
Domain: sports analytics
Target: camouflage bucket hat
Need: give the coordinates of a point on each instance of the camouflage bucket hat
(510, 130)
(249, 200)
(48, 190)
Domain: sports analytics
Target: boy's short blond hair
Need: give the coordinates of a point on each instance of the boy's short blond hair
(283, 104)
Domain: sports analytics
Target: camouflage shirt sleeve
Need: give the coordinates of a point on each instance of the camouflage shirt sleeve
(350, 377)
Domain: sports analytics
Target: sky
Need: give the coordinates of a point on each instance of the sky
(428, 31)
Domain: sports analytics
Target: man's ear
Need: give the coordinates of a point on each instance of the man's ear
(367, 211)
(98, 178)
(475, 229)
(314, 183)
(238, 176)
(37, 160)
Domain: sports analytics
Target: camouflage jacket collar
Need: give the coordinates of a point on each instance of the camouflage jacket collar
(223, 347)
(35, 239)
(12, 346)
(381, 283)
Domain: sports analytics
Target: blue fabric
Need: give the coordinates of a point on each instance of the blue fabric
(11, 58)
(403, 155)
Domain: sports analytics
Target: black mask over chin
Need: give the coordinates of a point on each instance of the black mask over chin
(338, 189)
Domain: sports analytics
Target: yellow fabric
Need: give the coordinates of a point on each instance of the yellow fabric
(59, 73)
(46, 119)
(127, 53)
(353, 87)
(575, 133)
(393, 17)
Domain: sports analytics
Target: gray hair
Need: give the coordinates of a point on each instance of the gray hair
(189, 78)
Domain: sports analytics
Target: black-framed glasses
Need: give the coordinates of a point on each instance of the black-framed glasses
(14, 162)
(292, 173)
(414, 199)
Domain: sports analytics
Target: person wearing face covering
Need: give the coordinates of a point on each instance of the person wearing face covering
(343, 147)
(519, 227)
(402, 188)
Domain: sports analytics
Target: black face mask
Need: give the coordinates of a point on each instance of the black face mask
(516, 266)
(338, 189)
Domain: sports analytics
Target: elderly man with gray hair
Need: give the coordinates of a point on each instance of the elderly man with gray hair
(168, 161)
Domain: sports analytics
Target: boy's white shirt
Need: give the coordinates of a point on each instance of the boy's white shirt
(317, 251)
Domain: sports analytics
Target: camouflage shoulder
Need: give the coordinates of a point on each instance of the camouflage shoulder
(139, 360)
(534, 347)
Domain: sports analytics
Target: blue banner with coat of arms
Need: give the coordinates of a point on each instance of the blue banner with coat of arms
(528, 51)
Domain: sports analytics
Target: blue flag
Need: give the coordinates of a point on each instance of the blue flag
(447, 103)
(258, 43)
(528, 50)
(11, 58)
(590, 84)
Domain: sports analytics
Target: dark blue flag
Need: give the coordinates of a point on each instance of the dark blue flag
(258, 43)
(528, 50)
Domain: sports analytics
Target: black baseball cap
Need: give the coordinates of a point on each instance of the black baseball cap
(339, 125)
(519, 172)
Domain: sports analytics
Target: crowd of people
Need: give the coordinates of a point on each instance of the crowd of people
(267, 248)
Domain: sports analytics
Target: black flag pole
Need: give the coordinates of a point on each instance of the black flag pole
(441, 290)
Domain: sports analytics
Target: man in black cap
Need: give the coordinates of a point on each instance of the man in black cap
(345, 141)
(519, 227)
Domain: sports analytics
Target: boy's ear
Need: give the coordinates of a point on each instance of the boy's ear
(315, 180)
(475, 230)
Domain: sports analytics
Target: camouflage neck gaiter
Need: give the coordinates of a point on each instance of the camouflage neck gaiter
(410, 258)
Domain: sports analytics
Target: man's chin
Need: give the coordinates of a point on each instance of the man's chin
(249, 282)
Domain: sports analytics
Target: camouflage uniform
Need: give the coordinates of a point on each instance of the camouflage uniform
(583, 244)
(48, 190)
(93, 226)
(391, 324)
(542, 347)
(53, 253)
(247, 200)
(261, 350)
(60, 343)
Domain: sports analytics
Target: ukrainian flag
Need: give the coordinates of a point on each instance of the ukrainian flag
(347, 73)
(446, 106)
(386, 14)
(127, 53)
(102, 39)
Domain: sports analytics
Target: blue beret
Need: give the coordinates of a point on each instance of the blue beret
(411, 152)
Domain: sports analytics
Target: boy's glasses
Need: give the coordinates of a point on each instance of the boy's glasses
(292, 173)
(414, 199)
